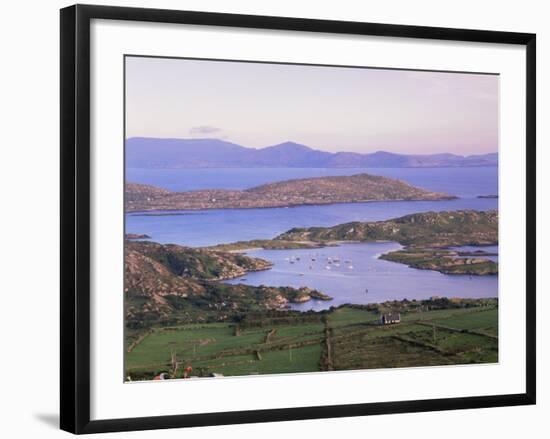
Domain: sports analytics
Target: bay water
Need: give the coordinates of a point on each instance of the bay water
(384, 280)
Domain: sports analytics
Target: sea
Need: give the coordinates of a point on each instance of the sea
(370, 279)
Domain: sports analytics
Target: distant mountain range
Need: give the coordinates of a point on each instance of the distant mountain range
(146, 152)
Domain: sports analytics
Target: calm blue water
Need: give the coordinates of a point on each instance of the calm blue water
(385, 280)
(209, 227)
(348, 282)
(462, 182)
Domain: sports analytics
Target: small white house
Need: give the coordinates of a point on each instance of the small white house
(390, 318)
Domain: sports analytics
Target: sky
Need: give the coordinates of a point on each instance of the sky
(327, 108)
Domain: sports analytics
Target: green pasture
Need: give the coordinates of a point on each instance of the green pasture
(357, 341)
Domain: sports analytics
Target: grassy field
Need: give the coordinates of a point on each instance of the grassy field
(343, 339)
(483, 321)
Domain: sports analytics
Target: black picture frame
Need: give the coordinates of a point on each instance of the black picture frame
(75, 217)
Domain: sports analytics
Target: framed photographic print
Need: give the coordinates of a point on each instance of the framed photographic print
(272, 218)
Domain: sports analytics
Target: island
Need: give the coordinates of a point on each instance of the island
(444, 261)
(357, 188)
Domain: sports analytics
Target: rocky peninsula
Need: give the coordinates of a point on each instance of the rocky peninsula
(172, 283)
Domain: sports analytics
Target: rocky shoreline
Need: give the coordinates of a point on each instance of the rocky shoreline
(171, 282)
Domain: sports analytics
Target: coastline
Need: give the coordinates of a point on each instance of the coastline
(176, 212)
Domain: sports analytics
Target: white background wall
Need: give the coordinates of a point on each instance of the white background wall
(29, 248)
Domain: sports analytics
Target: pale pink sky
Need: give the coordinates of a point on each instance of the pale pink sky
(328, 108)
